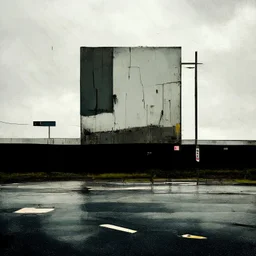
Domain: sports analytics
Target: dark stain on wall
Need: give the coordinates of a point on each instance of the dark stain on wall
(96, 80)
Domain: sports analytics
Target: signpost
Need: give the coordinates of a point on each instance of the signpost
(197, 154)
(45, 123)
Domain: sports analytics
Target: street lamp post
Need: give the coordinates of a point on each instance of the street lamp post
(196, 103)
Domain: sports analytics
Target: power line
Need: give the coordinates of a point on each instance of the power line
(75, 125)
(3, 122)
(11, 123)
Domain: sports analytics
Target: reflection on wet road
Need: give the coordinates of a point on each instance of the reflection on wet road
(117, 219)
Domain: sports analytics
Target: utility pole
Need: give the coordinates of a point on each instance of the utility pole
(197, 151)
(196, 120)
(196, 100)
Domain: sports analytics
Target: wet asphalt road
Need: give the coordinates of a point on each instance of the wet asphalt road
(225, 215)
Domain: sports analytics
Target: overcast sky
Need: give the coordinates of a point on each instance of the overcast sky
(39, 59)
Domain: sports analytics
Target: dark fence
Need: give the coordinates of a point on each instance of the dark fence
(121, 158)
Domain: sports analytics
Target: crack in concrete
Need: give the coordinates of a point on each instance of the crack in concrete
(174, 82)
(142, 85)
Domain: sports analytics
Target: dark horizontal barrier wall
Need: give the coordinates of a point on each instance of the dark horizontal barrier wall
(120, 158)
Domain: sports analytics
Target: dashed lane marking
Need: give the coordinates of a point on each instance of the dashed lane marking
(118, 228)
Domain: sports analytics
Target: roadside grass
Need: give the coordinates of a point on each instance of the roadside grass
(119, 175)
(246, 181)
(242, 176)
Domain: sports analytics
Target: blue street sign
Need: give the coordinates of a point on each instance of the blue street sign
(44, 123)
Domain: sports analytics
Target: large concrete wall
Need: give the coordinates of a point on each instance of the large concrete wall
(146, 93)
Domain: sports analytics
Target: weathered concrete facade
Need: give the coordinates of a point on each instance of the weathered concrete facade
(149, 134)
(130, 95)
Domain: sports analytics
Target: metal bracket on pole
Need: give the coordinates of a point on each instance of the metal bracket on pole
(190, 63)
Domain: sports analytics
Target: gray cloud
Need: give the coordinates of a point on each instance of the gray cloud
(39, 58)
(216, 12)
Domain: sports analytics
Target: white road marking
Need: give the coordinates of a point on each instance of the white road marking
(193, 236)
(34, 210)
(118, 228)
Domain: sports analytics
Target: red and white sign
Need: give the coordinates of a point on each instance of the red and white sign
(197, 154)
(176, 148)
